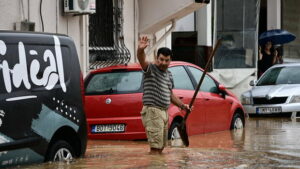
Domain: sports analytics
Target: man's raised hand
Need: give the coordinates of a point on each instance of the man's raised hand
(143, 42)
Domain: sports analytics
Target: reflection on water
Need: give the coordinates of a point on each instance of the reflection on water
(264, 143)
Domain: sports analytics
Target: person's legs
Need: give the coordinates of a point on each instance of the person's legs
(154, 122)
(156, 151)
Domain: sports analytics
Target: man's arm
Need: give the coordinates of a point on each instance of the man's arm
(143, 43)
(176, 101)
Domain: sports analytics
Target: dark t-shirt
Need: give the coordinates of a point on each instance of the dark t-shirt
(157, 87)
(266, 62)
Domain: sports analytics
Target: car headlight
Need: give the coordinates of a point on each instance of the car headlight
(295, 99)
(246, 100)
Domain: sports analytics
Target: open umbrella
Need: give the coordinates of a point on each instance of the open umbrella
(276, 36)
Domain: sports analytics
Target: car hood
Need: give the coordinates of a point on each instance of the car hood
(274, 91)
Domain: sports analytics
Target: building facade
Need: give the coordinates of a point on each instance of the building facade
(188, 27)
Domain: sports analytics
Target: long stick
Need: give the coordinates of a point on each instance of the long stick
(182, 127)
(203, 75)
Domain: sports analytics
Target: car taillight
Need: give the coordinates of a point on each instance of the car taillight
(82, 89)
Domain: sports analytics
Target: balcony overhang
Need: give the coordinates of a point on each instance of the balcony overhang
(157, 14)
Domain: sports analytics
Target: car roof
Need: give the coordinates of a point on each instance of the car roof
(136, 66)
(286, 65)
(22, 33)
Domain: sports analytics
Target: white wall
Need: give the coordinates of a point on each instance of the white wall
(273, 14)
(130, 27)
(8, 17)
(204, 27)
(186, 23)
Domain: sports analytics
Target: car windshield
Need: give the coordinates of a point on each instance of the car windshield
(280, 75)
(115, 83)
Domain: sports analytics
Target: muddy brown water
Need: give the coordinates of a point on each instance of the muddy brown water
(266, 142)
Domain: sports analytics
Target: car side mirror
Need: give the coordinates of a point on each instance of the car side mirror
(222, 87)
(252, 83)
(222, 90)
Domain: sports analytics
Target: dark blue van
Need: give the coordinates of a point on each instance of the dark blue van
(41, 104)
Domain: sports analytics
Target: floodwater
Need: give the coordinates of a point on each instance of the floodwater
(266, 142)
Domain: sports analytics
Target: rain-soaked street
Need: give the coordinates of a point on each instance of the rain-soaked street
(266, 142)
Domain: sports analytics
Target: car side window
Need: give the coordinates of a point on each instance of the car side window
(115, 83)
(181, 78)
(208, 84)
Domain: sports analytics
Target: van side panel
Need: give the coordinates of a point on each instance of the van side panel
(39, 94)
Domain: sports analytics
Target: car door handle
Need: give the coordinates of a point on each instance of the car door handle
(180, 97)
(206, 99)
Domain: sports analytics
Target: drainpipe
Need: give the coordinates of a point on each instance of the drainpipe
(162, 38)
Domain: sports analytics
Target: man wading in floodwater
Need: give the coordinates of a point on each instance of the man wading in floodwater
(158, 85)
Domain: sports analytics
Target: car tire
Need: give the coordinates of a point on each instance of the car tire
(237, 122)
(173, 131)
(61, 151)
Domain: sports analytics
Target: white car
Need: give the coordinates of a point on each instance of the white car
(276, 91)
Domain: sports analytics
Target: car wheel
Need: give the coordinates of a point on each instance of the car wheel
(237, 122)
(61, 151)
(173, 131)
(174, 137)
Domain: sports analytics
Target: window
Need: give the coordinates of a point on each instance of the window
(181, 78)
(208, 84)
(280, 75)
(239, 35)
(106, 41)
(115, 83)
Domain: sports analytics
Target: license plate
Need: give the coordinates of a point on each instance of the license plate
(261, 110)
(108, 128)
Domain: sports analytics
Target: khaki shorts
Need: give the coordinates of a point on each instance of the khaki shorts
(155, 121)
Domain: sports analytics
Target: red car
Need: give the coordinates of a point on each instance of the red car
(113, 101)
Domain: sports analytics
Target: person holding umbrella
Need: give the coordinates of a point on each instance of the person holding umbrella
(269, 56)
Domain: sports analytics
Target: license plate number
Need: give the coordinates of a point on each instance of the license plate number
(261, 110)
(108, 128)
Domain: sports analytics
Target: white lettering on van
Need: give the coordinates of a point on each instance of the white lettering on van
(2, 48)
(21, 98)
(52, 74)
(33, 52)
(60, 65)
(2, 114)
(18, 74)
